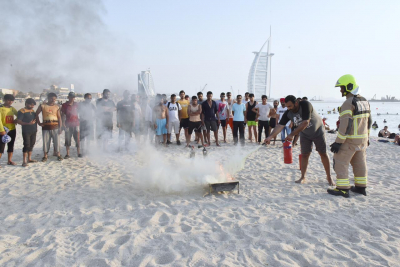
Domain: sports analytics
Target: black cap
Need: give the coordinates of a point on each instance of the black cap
(71, 94)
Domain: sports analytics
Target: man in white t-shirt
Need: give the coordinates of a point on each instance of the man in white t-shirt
(281, 110)
(263, 111)
(174, 118)
(223, 114)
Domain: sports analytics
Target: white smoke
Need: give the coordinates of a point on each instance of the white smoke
(61, 42)
(171, 170)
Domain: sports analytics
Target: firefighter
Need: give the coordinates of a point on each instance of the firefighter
(352, 139)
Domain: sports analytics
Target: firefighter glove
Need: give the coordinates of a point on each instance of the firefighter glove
(335, 147)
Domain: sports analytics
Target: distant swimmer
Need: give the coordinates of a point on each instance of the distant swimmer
(384, 132)
(375, 125)
(352, 140)
(384, 121)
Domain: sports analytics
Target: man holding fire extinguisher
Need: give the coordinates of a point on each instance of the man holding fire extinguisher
(310, 127)
(352, 139)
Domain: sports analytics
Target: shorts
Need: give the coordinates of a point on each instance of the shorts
(126, 126)
(174, 125)
(251, 123)
(223, 123)
(196, 126)
(104, 131)
(306, 143)
(272, 122)
(29, 141)
(69, 133)
(184, 123)
(10, 145)
(161, 129)
(86, 130)
(211, 125)
(137, 128)
(230, 123)
(47, 135)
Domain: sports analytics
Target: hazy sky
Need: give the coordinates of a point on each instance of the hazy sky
(187, 44)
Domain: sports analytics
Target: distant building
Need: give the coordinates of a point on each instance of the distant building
(259, 82)
(5, 91)
(146, 84)
(96, 95)
(61, 92)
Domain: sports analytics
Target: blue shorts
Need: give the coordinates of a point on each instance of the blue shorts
(161, 129)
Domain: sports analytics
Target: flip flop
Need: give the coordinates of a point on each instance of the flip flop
(32, 161)
(44, 159)
(218, 144)
(24, 164)
(66, 157)
(11, 163)
(59, 158)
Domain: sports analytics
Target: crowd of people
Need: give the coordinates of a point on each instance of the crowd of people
(139, 117)
(156, 119)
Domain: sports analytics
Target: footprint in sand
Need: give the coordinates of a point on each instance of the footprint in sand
(185, 227)
(165, 258)
(122, 240)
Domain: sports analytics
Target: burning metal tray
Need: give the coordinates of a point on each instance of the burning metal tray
(225, 186)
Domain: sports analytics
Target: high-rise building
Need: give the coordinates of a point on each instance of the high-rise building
(146, 83)
(259, 82)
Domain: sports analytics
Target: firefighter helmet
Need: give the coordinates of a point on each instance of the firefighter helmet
(349, 82)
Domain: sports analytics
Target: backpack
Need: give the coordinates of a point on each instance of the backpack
(177, 104)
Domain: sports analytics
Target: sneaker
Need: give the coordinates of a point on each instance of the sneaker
(339, 192)
(178, 143)
(359, 190)
(169, 142)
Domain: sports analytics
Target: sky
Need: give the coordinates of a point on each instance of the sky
(187, 44)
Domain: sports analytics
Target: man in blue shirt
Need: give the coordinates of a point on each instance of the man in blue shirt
(209, 111)
(239, 120)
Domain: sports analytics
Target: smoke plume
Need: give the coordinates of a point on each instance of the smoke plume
(63, 42)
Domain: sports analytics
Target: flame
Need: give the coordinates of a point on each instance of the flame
(226, 175)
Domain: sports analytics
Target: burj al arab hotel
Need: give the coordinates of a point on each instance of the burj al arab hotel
(259, 82)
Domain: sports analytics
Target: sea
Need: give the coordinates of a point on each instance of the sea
(386, 109)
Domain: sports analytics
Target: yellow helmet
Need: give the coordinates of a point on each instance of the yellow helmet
(349, 82)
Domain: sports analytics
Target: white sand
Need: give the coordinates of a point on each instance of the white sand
(109, 211)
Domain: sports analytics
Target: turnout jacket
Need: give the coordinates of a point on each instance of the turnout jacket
(355, 120)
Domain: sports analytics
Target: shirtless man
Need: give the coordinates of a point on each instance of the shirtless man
(274, 118)
(160, 120)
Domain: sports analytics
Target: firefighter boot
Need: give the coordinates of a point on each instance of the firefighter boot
(339, 192)
(359, 190)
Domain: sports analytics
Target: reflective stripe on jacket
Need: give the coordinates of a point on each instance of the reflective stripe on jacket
(355, 120)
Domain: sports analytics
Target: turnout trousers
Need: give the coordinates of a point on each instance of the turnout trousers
(356, 156)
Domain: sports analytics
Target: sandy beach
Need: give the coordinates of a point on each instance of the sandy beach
(126, 210)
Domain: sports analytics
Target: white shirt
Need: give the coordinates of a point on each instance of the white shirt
(264, 111)
(282, 111)
(173, 110)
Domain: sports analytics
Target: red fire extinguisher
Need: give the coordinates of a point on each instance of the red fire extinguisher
(287, 153)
